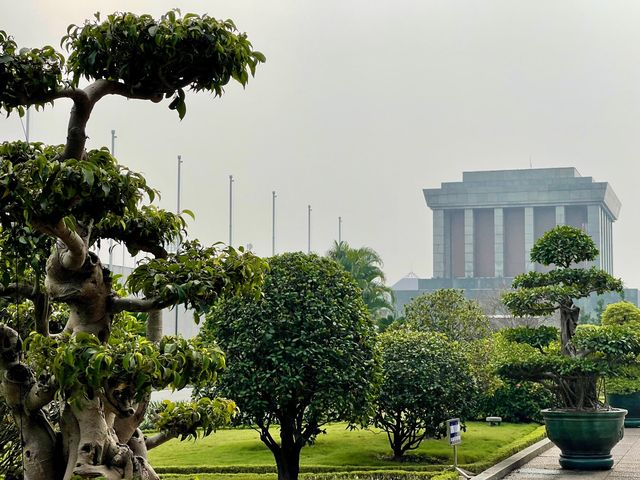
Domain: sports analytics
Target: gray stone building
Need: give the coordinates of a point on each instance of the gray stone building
(485, 226)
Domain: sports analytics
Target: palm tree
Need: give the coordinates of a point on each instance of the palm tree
(365, 265)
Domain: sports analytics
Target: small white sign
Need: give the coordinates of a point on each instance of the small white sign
(454, 431)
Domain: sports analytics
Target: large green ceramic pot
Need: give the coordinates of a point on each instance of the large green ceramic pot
(631, 403)
(585, 438)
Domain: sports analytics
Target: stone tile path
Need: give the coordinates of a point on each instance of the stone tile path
(626, 456)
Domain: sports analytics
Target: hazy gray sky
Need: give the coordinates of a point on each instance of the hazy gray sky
(362, 103)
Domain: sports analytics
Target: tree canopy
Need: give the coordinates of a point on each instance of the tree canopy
(365, 265)
(426, 380)
(300, 356)
(447, 311)
(82, 345)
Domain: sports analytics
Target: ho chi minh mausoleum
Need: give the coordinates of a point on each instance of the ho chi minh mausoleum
(485, 225)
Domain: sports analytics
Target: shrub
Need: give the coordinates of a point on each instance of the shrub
(621, 313)
(426, 380)
(516, 402)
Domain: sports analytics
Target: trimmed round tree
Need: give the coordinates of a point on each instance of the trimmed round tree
(426, 380)
(300, 356)
(60, 201)
(447, 311)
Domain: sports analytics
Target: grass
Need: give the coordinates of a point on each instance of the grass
(338, 448)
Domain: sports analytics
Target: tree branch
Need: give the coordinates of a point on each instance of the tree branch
(132, 304)
(76, 252)
(158, 439)
(18, 291)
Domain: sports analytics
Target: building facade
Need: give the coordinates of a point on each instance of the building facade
(485, 226)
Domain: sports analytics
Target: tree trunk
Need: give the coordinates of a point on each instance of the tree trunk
(154, 326)
(396, 439)
(287, 454)
(569, 316)
(288, 463)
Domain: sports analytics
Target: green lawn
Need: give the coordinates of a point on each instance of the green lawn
(339, 447)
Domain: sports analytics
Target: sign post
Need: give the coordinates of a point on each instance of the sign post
(454, 433)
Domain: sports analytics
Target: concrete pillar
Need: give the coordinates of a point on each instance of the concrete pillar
(560, 215)
(594, 231)
(438, 243)
(610, 241)
(498, 242)
(447, 245)
(528, 238)
(468, 242)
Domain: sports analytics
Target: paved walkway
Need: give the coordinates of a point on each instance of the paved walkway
(626, 456)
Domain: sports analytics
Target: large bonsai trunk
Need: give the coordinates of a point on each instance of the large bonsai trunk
(98, 437)
(576, 392)
(569, 315)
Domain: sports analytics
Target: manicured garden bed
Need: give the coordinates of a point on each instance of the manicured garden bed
(239, 451)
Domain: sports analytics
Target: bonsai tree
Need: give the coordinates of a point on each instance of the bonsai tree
(447, 311)
(65, 330)
(426, 380)
(583, 354)
(300, 356)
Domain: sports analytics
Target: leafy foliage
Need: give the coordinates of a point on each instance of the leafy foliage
(36, 186)
(81, 365)
(513, 400)
(161, 56)
(426, 380)
(621, 313)
(447, 311)
(542, 293)
(143, 229)
(26, 73)
(301, 355)
(517, 402)
(198, 276)
(604, 350)
(563, 246)
(193, 419)
(365, 265)
(540, 337)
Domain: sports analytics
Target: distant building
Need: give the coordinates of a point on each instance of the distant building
(485, 226)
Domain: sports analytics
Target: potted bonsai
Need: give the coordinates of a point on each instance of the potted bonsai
(623, 389)
(583, 427)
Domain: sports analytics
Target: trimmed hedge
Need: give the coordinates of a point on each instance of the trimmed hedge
(308, 469)
(354, 475)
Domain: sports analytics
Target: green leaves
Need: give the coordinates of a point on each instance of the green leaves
(621, 313)
(539, 337)
(563, 246)
(365, 265)
(37, 187)
(83, 366)
(304, 349)
(199, 276)
(540, 294)
(194, 419)
(161, 57)
(146, 228)
(426, 380)
(27, 76)
(447, 311)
